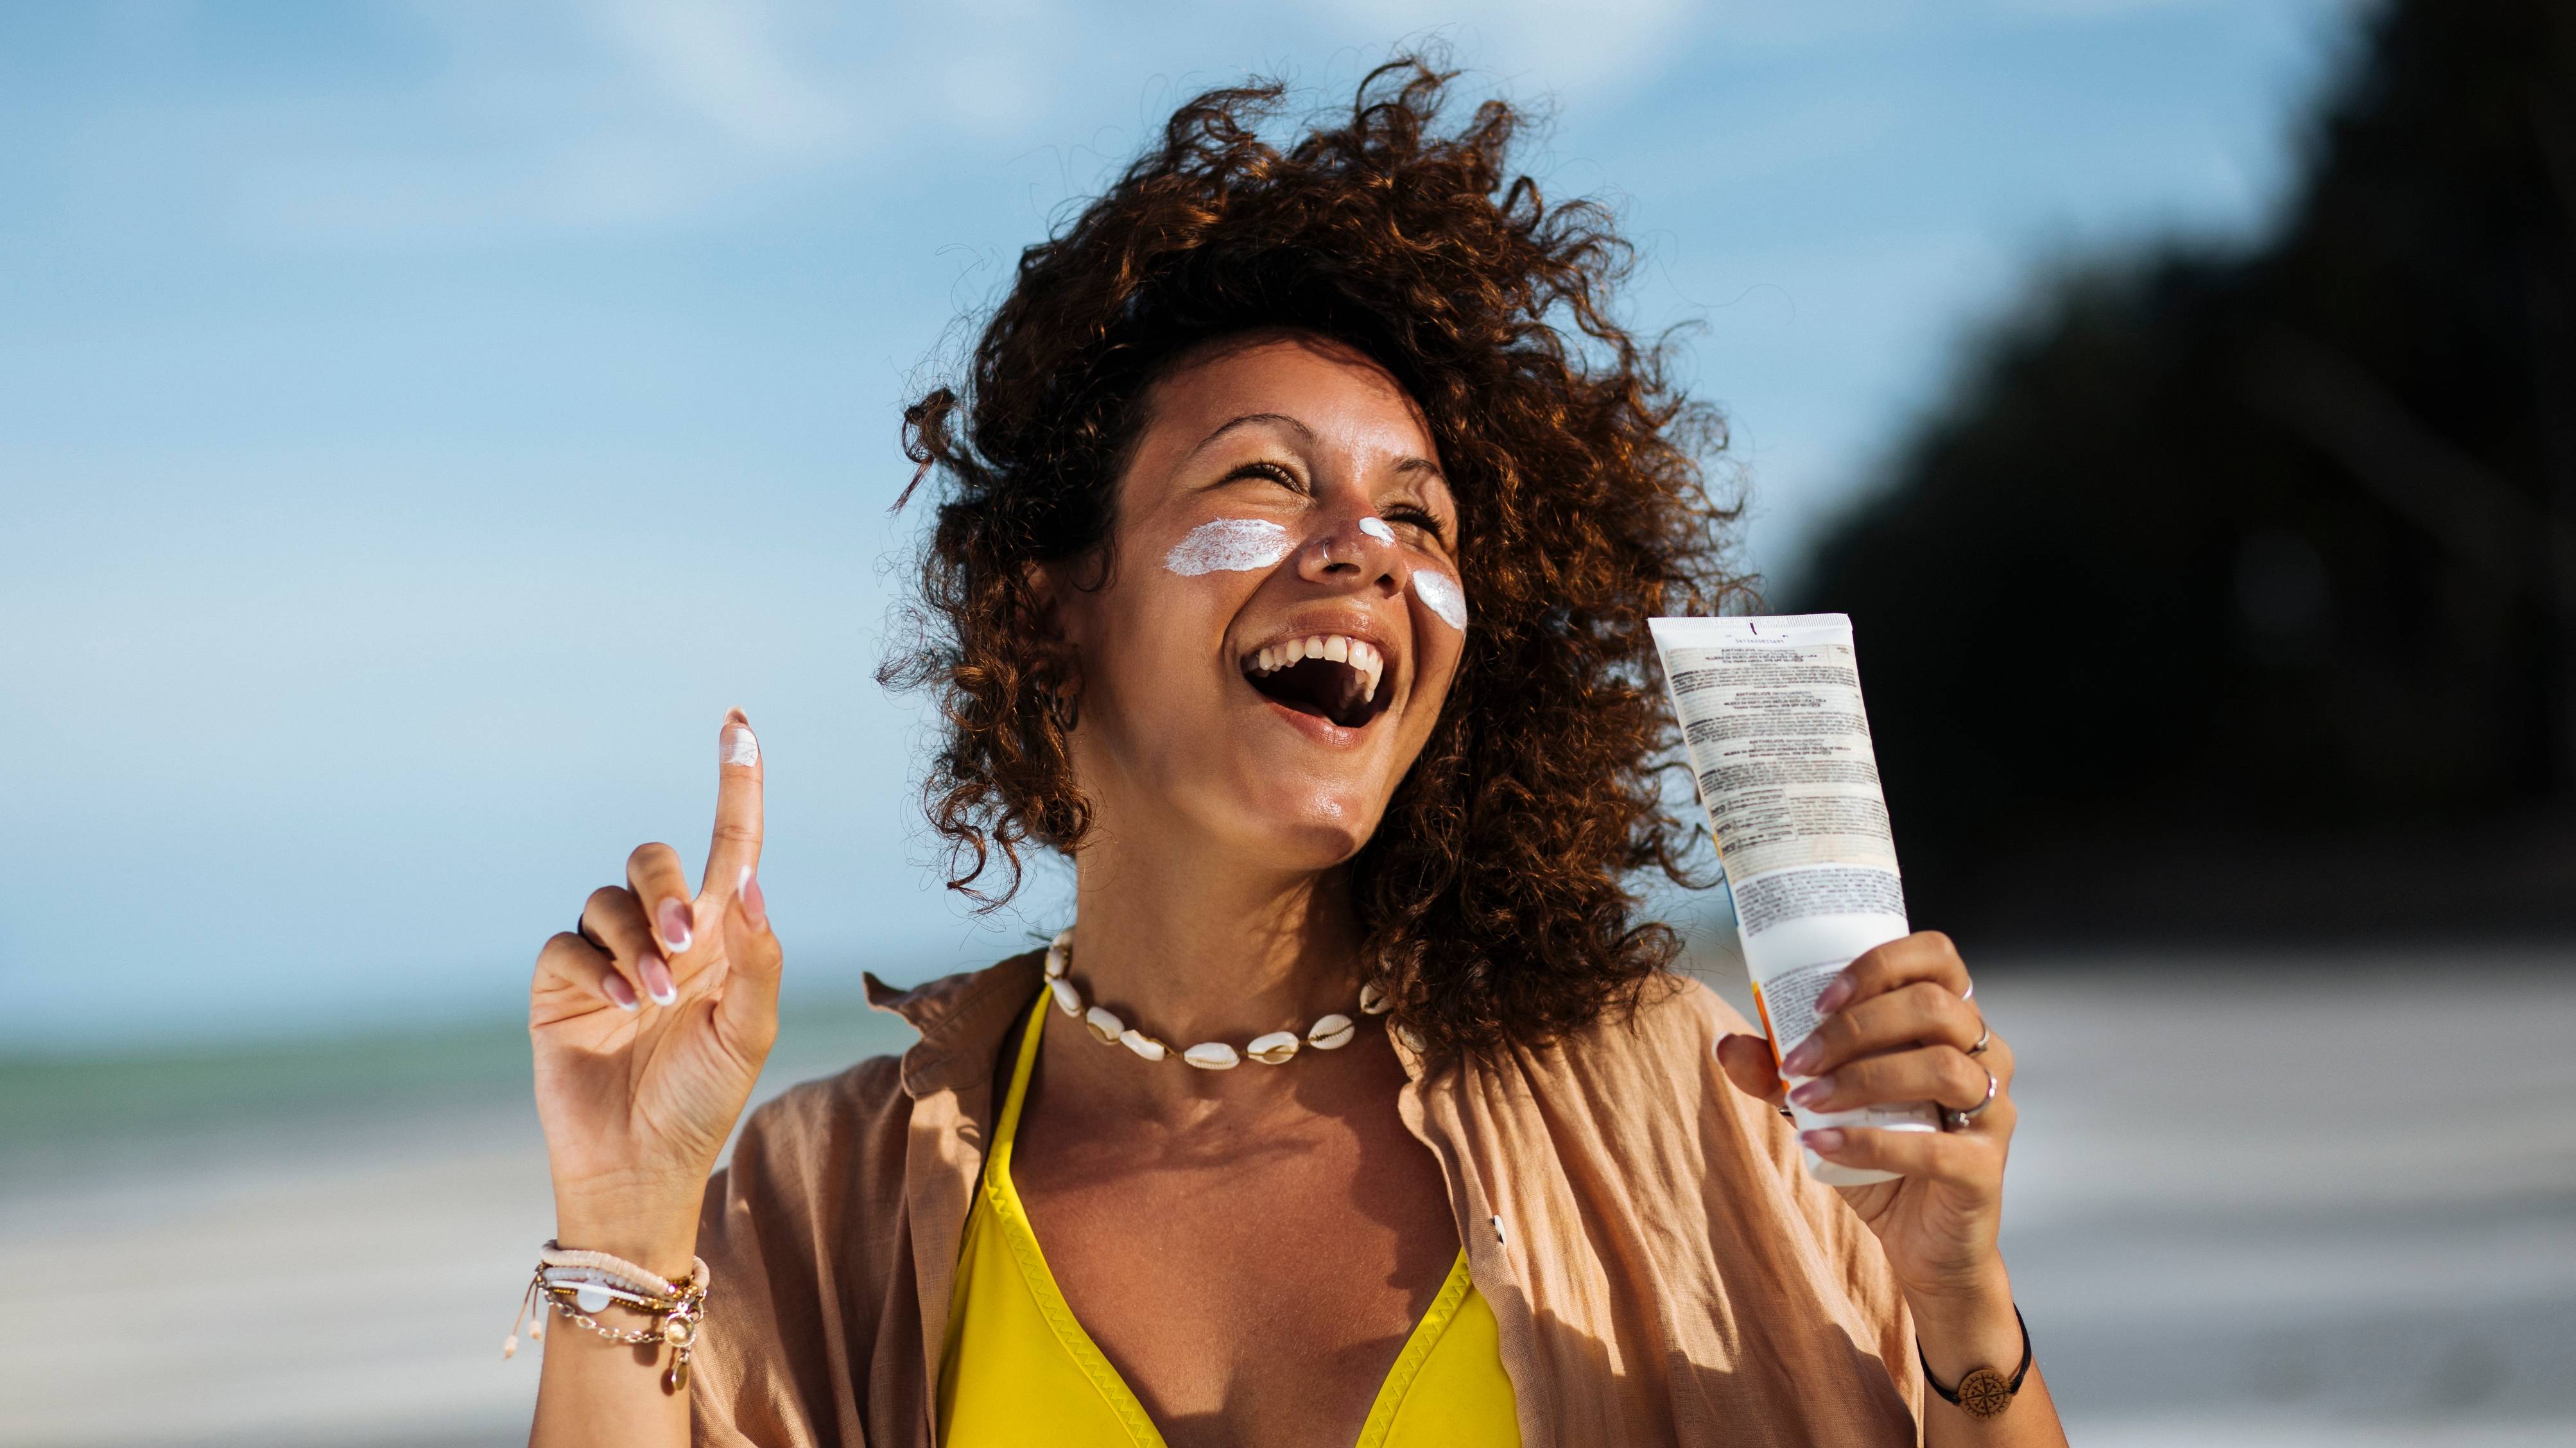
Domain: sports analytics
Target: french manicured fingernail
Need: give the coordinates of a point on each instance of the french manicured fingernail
(1813, 1092)
(755, 906)
(1834, 996)
(657, 980)
(673, 921)
(739, 747)
(1826, 1140)
(621, 994)
(1802, 1060)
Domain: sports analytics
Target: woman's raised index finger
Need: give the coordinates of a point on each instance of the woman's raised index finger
(735, 850)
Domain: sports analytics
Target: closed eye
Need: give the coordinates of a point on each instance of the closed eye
(1268, 471)
(1420, 519)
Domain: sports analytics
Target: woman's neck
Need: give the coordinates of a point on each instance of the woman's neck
(1187, 946)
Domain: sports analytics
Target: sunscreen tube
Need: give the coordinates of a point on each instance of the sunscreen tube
(1771, 717)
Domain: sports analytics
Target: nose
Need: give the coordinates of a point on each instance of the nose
(1353, 547)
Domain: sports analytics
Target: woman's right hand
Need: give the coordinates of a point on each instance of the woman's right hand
(650, 1026)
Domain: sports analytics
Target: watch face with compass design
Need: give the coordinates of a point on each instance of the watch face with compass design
(1985, 1394)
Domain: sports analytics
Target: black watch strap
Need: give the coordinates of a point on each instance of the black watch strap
(1983, 1393)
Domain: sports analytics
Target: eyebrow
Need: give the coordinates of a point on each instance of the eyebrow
(1248, 420)
(1409, 465)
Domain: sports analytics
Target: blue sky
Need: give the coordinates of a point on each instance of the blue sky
(418, 423)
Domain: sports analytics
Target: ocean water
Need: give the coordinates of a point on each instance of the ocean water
(2256, 1200)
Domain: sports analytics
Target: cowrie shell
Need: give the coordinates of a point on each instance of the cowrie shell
(1374, 1001)
(1331, 1033)
(1067, 999)
(1212, 1056)
(1143, 1045)
(1411, 1041)
(1056, 962)
(1105, 1027)
(1273, 1049)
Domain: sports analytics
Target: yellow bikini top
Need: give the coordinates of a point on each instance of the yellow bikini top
(1017, 1368)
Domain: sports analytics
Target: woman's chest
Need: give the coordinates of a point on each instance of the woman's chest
(1250, 1295)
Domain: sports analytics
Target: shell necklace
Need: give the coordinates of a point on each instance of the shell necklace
(1328, 1033)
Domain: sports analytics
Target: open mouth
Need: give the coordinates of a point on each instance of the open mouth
(1331, 676)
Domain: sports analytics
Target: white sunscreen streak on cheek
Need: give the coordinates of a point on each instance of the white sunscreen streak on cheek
(1228, 545)
(1440, 593)
(1376, 528)
(740, 748)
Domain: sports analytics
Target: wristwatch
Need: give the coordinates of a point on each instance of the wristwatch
(1983, 1393)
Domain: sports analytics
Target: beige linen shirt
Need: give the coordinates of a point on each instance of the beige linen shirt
(1662, 1268)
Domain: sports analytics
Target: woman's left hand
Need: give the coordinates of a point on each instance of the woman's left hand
(1899, 1027)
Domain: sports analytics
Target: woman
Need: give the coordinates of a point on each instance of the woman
(1302, 522)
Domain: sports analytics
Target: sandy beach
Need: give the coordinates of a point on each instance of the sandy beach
(2255, 1202)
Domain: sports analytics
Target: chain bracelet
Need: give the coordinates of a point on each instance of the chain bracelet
(631, 1337)
(678, 1327)
(677, 1306)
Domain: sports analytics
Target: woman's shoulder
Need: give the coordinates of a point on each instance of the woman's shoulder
(1685, 1005)
(1628, 1084)
(810, 1115)
(1634, 1083)
(848, 1130)
(822, 1146)
(1672, 1027)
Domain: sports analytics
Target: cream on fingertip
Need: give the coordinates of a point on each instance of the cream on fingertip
(740, 748)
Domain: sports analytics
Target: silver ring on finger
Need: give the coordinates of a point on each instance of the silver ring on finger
(1960, 1120)
(1985, 1038)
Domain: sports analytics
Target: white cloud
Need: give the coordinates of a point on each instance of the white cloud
(587, 114)
(731, 66)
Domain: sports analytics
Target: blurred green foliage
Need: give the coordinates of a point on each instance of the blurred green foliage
(2238, 587)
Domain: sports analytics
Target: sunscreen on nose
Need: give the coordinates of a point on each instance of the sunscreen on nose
(1772, 720)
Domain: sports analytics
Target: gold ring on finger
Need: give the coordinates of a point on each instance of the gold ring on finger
(1959, 1120)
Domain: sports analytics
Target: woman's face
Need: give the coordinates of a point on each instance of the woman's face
(1284, 497)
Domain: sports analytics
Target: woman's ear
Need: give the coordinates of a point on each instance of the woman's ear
(1054, 625)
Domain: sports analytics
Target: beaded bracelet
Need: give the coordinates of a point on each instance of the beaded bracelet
(580, 1284)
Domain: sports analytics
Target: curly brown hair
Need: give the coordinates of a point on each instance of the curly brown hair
(1495, 896)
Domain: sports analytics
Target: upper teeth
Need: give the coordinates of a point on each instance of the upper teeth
(1360, 654)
